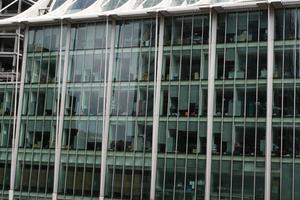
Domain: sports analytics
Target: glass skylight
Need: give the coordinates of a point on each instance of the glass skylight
(177, 2)
(58, 3)
(138, 3)
(113, 4)
(80, 5)
(192, 1)
(151, 3)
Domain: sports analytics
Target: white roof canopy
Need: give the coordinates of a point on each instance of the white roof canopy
(50, 10)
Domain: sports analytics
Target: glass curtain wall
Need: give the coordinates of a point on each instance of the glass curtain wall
(286, 89)
(239, 123)
(130, 132)
(238, 141)
(35, 163)
(83, 111)
(7, 99)
(183, 109)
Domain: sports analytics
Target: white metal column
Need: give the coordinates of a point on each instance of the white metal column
(107, 110)
(61, 109)
(210, 101)
(16, 133)
(16, 49)
(270, 57)
(20, 6)
(157, 89)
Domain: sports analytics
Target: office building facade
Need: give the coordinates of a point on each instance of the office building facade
(154, 99)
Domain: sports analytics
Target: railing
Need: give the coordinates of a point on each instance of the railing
(9, 76)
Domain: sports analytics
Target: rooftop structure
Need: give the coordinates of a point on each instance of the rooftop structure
(11, 39)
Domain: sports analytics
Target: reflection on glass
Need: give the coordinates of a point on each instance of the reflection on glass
(38, 135)
(241, 63)
(36, 178)
(135, 33)
(183, 101)
(181, 65)
(128, 182)
(88, 36)
(192, 138)
(242, 27)
(132, 102)
(82, 135)
(189, 181)
(130, 137)
(45, 39)
(249, 139)
(6, 133)
(80, 181)
(283, 102)
(186, 30)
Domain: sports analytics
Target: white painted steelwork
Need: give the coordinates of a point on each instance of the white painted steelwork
(62, 80)
(130, 8)
(210, 101)
(106, 112)
(15, 142)
(270, 63)
(157, 92)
